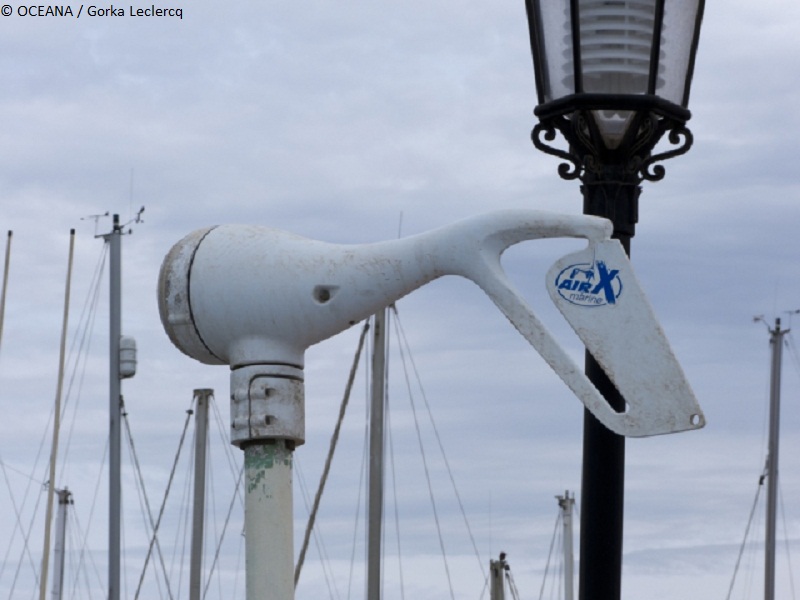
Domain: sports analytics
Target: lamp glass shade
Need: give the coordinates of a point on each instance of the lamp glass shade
(679, 37)
(614, 48)
(616, 39)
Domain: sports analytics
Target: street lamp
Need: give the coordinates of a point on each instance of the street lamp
(613, 77)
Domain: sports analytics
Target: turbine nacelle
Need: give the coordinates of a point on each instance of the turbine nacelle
(255, 298)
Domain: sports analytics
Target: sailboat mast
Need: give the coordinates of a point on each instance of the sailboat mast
(5, 284)
(376, 446)
(56, 422)
(59, 551)
(566, 502)
(776, 341)
(497, 578)
(202, 399)
(114, 240)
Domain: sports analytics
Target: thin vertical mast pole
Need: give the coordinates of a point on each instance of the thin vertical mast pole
(376, 446)
(202, 399)
(566, 502)
(114, 240)
(56, 422)
(776, 341)
(5, 284)
(59, 551)
(497, 578)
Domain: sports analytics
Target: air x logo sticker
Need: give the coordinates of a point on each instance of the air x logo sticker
(587, 284)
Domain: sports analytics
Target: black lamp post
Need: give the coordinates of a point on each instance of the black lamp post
(613, 77)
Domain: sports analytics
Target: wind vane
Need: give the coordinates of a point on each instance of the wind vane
(256, 298)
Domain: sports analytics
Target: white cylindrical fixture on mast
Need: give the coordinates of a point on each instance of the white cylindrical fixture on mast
(127, 357)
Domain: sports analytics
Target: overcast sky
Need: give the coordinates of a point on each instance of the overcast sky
(350, 122)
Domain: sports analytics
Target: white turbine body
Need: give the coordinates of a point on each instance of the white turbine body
(255, 298)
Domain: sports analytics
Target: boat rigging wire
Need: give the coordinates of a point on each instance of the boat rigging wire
(786, 541)
(361, 473)
(210, 504)
(94, 288)
(390, 440)
(84, 544)
(86, 322)
(426, 470)
(237, 475)
(181, 540)
(790, 343)
(512, 585)
(224, 435)
(26, 551)
(143, 500)
(17, 515)
(334, 440)
(238, 564)
(556, 530)
(7, 466)
(76, 536)
(327, 572)
(81, 542)
(225, 527)
(402, 337)
(746, 533)
(164, 502)
(18, 524)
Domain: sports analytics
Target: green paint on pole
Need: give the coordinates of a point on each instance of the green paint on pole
(259, 458)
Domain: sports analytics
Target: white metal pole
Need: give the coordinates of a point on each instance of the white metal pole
(776, 341)
(59, 550)
(268, 521)
(202, 398)
(497, 574)
(376, 447)
(267, 423)
(114, 240)
(566, 502)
